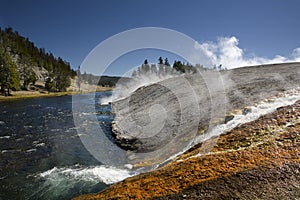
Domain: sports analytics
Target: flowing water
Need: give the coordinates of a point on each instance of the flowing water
(41, 155)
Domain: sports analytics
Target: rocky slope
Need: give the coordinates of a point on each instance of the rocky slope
(257, 160)
(179, 108)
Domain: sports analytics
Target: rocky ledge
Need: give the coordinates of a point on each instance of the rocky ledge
(257, 160)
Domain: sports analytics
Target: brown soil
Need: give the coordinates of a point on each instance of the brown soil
(260, 159)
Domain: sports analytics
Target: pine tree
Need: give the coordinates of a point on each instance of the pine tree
(49, 85)
(9, 77)
(178, 66)
(167, 62)
(29, 77)
(160, 60)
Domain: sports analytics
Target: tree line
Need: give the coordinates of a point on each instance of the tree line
(163, 68)
(104, 81)
(18, 57)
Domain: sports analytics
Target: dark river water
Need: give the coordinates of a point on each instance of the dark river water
(41, 155)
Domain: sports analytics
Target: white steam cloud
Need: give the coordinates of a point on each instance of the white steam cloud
(227, 52)
(125, 88)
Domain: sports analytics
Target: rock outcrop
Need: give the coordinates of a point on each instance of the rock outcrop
(173, 111)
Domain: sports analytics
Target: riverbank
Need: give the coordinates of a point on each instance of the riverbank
(15, 95)
(256, 160)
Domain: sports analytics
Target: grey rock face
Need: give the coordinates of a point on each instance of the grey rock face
(170, 113)
(154, 115)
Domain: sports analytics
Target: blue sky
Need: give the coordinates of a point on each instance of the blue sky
(261, 29)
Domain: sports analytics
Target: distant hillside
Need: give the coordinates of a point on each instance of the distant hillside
(104, 81)
(23, 64)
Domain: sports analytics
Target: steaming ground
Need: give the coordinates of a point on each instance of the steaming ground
(123, 88)
(192, 103)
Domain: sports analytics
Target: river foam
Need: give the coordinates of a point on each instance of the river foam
(107, 175)
(61, 182)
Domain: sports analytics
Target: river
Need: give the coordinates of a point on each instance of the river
(41, 154)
